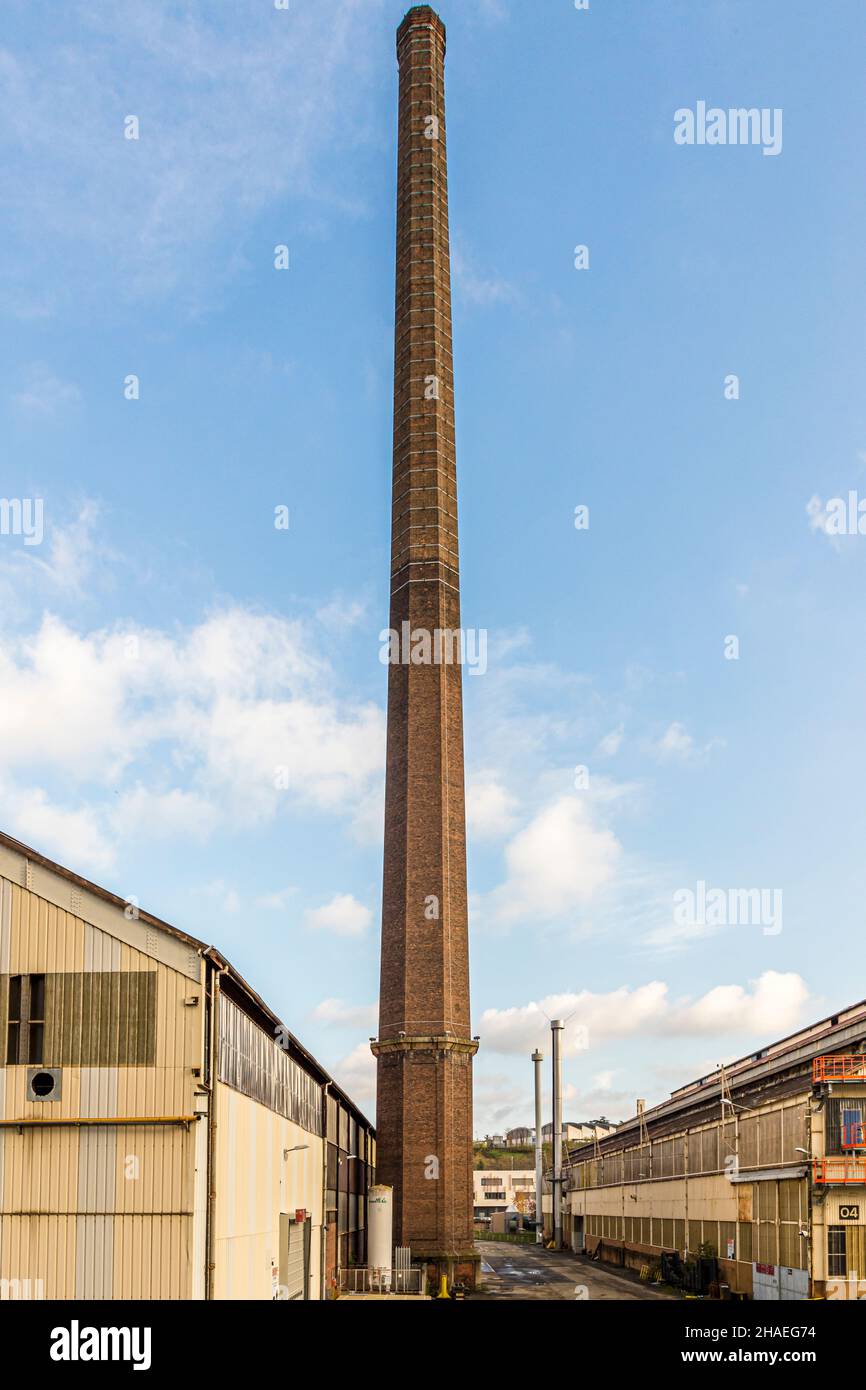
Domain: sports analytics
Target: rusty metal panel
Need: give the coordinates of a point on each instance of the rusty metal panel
(98, 1018)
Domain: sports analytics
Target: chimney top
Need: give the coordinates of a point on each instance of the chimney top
(420, 16)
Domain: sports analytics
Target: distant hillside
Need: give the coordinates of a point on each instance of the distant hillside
(518, 1159)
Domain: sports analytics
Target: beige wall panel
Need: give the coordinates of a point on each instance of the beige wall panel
(70, 898)
(713, 1199)
(41, 1171)
(151, 1257)
(44, 938)
(101, 951)
(254, 1184)
(40, 1248)
(154, 1169)
(100, 1212)
(5, 924)
(97, 1160)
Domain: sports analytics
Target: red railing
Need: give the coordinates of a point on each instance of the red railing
(854, 1135)
(829, 1171)
(841, 1067)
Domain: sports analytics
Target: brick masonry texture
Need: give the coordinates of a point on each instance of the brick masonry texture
(425, 1048)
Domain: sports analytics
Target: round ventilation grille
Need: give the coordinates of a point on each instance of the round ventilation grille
(43, 1084)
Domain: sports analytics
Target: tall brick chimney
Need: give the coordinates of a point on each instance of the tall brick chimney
(425, 1047)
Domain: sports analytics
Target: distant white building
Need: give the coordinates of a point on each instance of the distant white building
(501, 1189)
(580, 1131)
(495, 1141)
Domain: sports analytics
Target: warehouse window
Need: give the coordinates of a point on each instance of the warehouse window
(837, 1264)
(14, 1017)
(843, 1125)
(36, 1011)
(25, 1035)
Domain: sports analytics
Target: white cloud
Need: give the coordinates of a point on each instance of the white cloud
(44, 393)
(342, 614)
(493, 10)
(356, 1073)
(71, 835)
(557, 863)
(275, 902)
(222, 893)
(343, 1015)
(677, 745)
(490, 807)
(65, 570)
(775, 1005)
(772, 1006)
(498, 1102)
(612, 742)
(165, 814)
(479, 288)
(235, 718)
(343, 915)
(234, 102)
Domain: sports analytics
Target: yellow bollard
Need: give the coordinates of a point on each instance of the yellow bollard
(443, 1287)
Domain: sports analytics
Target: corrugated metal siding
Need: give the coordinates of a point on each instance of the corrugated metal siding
(102, 1211)
(257, 1066)
(99, 1017)
(254, 1186)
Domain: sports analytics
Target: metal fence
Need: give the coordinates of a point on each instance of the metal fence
(361, 1280)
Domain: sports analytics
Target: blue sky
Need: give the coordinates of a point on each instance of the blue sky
(165, 649)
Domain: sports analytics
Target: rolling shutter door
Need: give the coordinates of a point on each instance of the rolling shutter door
(296, 1271)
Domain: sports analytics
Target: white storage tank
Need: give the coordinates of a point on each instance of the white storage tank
(380, 1228)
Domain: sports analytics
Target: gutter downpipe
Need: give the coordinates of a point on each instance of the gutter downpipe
(216, 972)
(323, 1227)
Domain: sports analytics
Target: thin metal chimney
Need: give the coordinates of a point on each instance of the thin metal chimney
(556, 1029)
(538, 1058)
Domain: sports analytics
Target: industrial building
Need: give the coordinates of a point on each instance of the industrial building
(578, 1131)
(760, 1165)
(162, 1134)
(501, 1189)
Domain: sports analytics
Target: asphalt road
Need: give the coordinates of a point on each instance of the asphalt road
(531, 1272)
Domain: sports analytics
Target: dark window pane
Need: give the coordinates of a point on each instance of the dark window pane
(36, 1032)
(12, 1045)
(37, 997)
(837, 1262)
(14, 998)
(333, 1166)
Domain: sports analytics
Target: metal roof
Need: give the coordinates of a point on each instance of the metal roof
(303, 1055)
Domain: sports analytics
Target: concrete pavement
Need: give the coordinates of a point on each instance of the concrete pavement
(531, 1272)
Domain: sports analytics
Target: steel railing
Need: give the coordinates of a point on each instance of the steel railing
(359, 1280)
(841, 1067)
(828, 1171)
